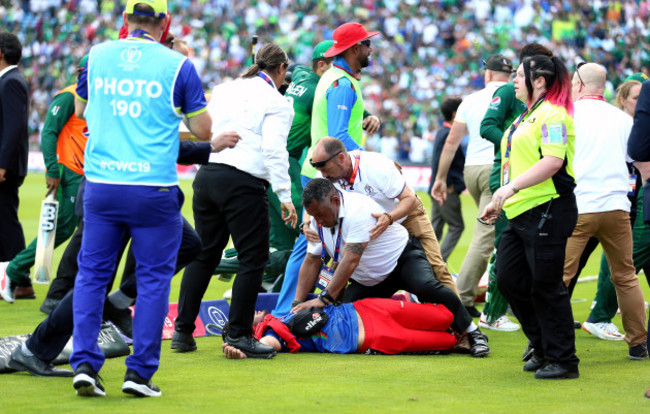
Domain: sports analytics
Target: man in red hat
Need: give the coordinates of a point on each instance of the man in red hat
(338, 104)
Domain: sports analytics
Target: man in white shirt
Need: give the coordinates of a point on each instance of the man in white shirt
(378, 177)
(602, 183)
(375, 267)
(478, 165)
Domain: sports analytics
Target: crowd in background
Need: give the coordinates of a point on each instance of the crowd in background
(428, 49)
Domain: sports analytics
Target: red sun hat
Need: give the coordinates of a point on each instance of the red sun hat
(347, 35)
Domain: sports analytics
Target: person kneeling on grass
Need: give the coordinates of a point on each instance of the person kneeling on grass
(367, 326)
(374, 268)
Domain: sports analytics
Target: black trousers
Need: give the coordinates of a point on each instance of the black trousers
(227, 202)
(414, 274)
(51, 335)
(12, 238)
(530, 265)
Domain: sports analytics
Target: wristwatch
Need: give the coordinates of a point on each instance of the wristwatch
(325, 297)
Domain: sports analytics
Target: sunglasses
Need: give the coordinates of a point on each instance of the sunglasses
(581, 64)
(321, 164)
(366, 42)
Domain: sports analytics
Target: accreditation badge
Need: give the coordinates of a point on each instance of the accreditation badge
(325, 277)
(506, 172)
(631, 190)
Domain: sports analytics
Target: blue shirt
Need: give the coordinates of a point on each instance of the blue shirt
(341, 97)
(340, 335)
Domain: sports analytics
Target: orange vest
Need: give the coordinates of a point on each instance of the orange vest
(72, 139)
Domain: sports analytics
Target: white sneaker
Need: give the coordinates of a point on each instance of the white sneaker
(5, 284)
(603, 330)
(503, 324)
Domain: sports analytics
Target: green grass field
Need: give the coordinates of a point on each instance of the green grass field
(206, 381)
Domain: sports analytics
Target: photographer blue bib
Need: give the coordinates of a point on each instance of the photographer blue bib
(131, 114)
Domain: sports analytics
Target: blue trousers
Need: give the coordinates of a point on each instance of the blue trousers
(152, 216)
(292, 271)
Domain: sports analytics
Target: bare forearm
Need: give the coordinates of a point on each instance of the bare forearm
(456, 134)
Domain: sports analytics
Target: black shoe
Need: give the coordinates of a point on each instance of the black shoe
(556, 371)
(87, 382)
(22, 362)
(120, 318)
(49, 304)
(140, 387)
(528, 352)
(473, 312)
(535, 363)
(183, 342)
(251, 347)
(638, 352)
(577, 325)
(478, 343)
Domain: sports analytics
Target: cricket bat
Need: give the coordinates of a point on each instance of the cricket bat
(45, 241)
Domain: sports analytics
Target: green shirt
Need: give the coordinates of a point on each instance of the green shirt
(504, 109)
(547, 131)
(301, 95)
(60, 111)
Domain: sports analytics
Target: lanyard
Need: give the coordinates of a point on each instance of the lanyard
(355, 170)
(337, 246)
(594, 97)
(446, 124)
(266, 78)
(515, 124)
(139, 33)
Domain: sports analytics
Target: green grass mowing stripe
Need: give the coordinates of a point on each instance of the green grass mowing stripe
(205, 381)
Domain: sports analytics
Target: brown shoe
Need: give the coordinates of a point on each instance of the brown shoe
(25, 292)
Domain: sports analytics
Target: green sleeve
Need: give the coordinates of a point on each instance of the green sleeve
(493, 122)
(366, 114)
(60, 111)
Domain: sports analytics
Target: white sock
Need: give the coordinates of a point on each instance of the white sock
(472, 327)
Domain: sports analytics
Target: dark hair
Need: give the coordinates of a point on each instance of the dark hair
(333, 145)
(11, 48)
(449, 106)
(317, 190)
(532, 49)
(270, 56)
(556, 75)
(314, 63)
(141, 20)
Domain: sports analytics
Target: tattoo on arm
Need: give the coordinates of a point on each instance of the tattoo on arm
(354, 248)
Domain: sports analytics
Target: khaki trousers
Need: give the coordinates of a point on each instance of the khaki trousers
(480, 249)
(612, 228)
(417, 224)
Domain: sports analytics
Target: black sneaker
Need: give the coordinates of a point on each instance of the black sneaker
(136, 385)
(183, 342)
(87, 382)
(528, 352)
(473, 312)
(534, 363)
(251, 347)
(556, 371)
(638, 352)
(120, 318)
(478, 343)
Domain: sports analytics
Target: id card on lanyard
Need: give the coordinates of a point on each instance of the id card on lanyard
(505, 167)
(327, 272)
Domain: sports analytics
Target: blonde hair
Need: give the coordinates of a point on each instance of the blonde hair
(270, 57)
(623, 91)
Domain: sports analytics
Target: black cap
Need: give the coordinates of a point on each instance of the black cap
(498, 63)
(308, 322)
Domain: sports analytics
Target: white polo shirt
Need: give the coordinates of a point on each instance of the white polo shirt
(380, 256)
(378, 178)
(262, 117)
(602, 178)
(471, 111)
